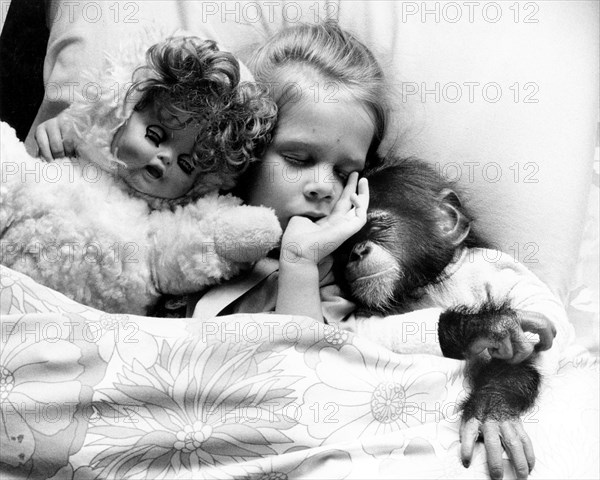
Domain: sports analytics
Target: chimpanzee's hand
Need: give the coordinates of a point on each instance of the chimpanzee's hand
(497, 435)
(501, 392)
(493, 331)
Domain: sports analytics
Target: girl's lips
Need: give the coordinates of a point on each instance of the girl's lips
(314, 217)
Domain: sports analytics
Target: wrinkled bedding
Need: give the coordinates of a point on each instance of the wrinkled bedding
(85, 394)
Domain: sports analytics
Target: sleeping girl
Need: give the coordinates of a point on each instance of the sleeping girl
(137, 213)
(309, 175)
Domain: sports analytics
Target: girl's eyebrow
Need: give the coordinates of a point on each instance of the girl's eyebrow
(294, 143)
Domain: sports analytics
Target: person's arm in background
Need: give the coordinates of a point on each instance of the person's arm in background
(22, 50)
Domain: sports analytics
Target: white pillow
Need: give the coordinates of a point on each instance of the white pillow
(500, 94)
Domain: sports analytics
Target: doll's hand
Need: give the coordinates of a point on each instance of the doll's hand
(305, 240)
(52, 139)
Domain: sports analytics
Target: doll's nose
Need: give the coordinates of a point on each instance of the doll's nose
(165, 158)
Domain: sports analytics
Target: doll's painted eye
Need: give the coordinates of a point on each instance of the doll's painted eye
(155, 134)
(185, 163)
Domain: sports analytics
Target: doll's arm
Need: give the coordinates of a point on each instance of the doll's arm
(208, 241)
(245, 233)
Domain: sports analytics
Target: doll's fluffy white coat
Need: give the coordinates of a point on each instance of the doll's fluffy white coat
(71, 225)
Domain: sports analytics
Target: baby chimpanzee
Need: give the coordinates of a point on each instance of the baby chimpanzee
(416, 251)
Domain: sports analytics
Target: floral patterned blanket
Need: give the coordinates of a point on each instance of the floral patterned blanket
(85, 394)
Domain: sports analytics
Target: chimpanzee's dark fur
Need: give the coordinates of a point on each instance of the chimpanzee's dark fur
(460, 326)
(404, 221)
(501, 391)
(409, 190)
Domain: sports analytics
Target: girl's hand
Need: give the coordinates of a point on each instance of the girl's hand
(308, 241)
(52, 139)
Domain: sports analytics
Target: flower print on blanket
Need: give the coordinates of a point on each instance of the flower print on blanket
(39, 390)
(370, 397)
(200, 407)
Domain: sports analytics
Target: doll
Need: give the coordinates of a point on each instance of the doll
(137, 213)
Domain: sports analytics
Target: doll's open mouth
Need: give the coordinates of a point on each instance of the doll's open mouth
(154, 171)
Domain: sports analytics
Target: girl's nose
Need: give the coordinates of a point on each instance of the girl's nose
(321, 186)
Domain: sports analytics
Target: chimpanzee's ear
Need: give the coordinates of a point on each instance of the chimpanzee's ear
(454, 224)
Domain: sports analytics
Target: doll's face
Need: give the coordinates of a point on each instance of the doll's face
(158, 158)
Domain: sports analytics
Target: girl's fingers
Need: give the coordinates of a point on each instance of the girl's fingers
(343, 204)
(360, 205)
(360, 201)
(363, 193)
(363, 187)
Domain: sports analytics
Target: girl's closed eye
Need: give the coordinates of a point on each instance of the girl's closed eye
(296, 159)
(186, 163)
(155, 134)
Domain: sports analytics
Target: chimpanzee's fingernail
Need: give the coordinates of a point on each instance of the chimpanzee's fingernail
(466, 463)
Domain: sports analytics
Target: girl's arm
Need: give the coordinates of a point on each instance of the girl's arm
(305, 243)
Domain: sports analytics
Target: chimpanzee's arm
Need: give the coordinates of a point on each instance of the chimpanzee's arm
(501, 393)
(501, 390)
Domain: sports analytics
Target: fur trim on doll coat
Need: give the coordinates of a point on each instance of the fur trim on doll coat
(74, 227)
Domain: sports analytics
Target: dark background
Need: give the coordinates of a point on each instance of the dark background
(22, 49)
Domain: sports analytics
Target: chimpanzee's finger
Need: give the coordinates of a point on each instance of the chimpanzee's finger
(527, 445)
(493, 448)
(522, 346)
(513, 444)
(537, 323)
(469, 433)
(503, 349)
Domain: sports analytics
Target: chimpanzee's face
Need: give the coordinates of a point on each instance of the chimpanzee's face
(402, 248)
(374, 269)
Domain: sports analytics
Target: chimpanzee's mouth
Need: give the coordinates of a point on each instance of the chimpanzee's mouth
(362, 275)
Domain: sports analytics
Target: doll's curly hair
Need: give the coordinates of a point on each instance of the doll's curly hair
(189, 80)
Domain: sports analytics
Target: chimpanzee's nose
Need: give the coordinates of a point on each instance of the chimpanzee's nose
(360, 251)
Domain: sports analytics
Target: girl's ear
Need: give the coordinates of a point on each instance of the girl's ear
(453, 223)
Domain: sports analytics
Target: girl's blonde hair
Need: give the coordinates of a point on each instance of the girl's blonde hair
(337, 56)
